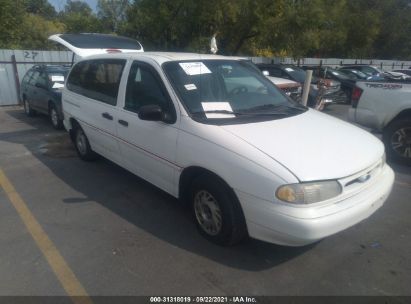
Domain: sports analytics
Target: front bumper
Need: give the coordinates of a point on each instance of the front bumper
(300, 226)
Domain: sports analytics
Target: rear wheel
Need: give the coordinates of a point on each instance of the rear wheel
(82, 145)
(397, 140)
(27, 109)
(55, 119)
(216, 211)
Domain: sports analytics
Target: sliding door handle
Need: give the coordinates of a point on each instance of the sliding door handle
(107, 116)
(123, 122)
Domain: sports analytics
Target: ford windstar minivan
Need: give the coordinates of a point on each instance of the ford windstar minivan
(214, 132)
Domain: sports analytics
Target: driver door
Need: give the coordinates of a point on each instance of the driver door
(148, 147)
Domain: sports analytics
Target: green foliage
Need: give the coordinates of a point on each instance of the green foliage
(297, 28)
(112, 13)
(73, 6)
(78, 17)
(40, 7)
(37, 30)
(76, 22)
(11, 18)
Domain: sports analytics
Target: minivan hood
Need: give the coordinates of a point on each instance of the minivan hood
(312, 145)
(84, 45)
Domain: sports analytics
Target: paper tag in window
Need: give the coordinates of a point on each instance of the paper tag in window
(56, 78)
(289, 69)
(194, 68)
(57, 85)
(190, 87)
(217, 106)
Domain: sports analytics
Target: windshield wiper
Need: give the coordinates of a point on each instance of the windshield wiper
(218, 112)
(240, 113)
(279, 109)
(286, 110)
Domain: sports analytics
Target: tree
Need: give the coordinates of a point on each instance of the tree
(36, 31)
(11, 18)
(80, 7)
(393, 40)
(78, 17)
(40, 7)
(112, 13)
(188, 25)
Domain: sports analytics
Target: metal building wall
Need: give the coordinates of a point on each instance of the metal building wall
(25, 59)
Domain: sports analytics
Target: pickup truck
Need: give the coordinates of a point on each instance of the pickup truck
(385, 107)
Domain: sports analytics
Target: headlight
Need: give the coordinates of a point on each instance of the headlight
(308, 193)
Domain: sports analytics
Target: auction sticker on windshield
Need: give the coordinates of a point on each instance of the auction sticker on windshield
(56, 78)
(194, 68)
(190, 87)
(217, 106)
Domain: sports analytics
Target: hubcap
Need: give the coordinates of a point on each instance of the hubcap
(208, 212)
(401, 142)
(54, 117)
(81, 143)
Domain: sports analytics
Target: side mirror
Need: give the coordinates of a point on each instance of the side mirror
(266, 73)
(151, 113)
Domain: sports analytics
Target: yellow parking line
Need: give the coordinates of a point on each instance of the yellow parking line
(65, 275)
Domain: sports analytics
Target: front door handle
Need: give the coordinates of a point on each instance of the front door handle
(107, 116)
(123, 122)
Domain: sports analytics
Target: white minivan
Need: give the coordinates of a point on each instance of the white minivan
(214, 132)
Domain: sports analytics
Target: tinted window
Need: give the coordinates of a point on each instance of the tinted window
(144, 88)
(275, 72)
(33, 79)
(42, 80)
(368, 70)
(97, 79)
(101, 41)
(26, 77)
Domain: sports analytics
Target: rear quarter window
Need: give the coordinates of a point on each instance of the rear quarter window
(34, 77)
(97, 79)
(26, 77)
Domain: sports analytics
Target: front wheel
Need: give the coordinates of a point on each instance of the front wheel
(217, 212)
(397, 140)
(82, 145)
(55, 119)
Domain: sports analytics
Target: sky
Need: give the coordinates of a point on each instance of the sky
(59, 4)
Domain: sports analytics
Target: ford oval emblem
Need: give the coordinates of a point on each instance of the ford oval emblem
(364, 178)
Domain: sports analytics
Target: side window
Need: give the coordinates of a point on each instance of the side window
(275, 72)
(97, 79)
(144, 88)
(34, 78)
(26, 77)
(368, 70)
(42, 80)
(284, 75)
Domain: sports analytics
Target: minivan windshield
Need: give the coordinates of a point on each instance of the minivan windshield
(227, 89)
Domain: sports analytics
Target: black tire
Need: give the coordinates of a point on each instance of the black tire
(232, 228)
(27, 108)
(397, 140)
(55, 118)
(82, 145)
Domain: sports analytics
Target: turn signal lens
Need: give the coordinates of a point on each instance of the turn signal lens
(308, 193)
